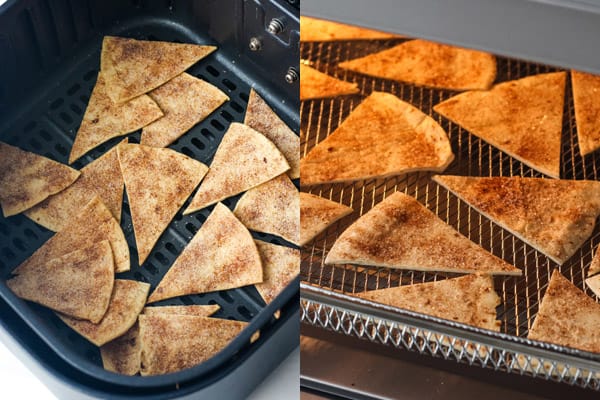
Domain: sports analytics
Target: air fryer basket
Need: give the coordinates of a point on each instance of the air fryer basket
(324, 299)
(50, 54)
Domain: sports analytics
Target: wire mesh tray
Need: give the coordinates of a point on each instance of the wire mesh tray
(323, 289)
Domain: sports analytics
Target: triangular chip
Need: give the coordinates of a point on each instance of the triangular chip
(260, 117)
(93, 224)
(102, 177)
(567, 317)
(280, 266)
(185, 100)
(553, 216)
(27, 179)
(317, 214)
(78, 284)
(595, 264)
(244, 159)
(122, 355)
(104, 120)
(594, 284)
(429, 64)
(158, 182)
(320, 30)
(134, 67)
(586, 88)
(316, 85)
(523, 118)
(401, 233)
(174, 342)
(221, 255)
(126, 303)
(383, 136)
(272, 207)
(469, 299)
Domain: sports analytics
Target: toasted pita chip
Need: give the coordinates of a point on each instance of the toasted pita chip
(186, 101)
(272, 207)
(102, 177)
(174, 342)
(134, 67)
(320, 30)
(27, 179)
(401, 233)
(197, 310)
(280, 266)
(126, 303)
(567, 317)
(523, 118)
(469, 299)
(260, 117)
(586, 88)
(244, 159)
(77, 284)
(93, 224)
(316, 85)
(104, 120)
(221, 255)
(594, 284)
(383, 136)
(553, 216)
(158, 182)
(429, 64)
(317, 214)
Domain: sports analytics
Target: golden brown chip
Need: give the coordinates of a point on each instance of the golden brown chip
(320, 30)
(78, 284)
(594, 284)
(317, 214)
(383, 136)
(470, 299)
(260, 117)
(158, 182)
(316, 85)
(27, 179)
(221, 255)
(102, 177)
(244, 159)
(587, 109)
(134, 67)
(401, 233)
(272, 207)
(126, 303)
(185, 100)
(174, 342)
(280, 266)
(595, 264)
(93, 224)
(194, 309)
(104, 120)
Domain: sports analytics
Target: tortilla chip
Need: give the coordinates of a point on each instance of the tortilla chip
(280, 266)
(317, 85)
(320, 30)
(93, 224)
(102, 177)
(174, 342)
(262, 118)
(523, 118)
(104, 120)
(469, 299)
(553, 216)
(429, 64)
(383, 136)
(134, 67)
(594, 284)
(186, 101)
(401, 233)
(567, 317)
(221, 255)
(587, 109)
(595, 264)
(244, 159)
(197, 310)
(272, 207)
(126, 303)
(158, 182)
(78, 284)
(27, 179)
(317, 214)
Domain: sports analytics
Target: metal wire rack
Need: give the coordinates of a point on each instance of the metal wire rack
(520, 296)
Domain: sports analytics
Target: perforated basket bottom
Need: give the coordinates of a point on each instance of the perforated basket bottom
(49, 129)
